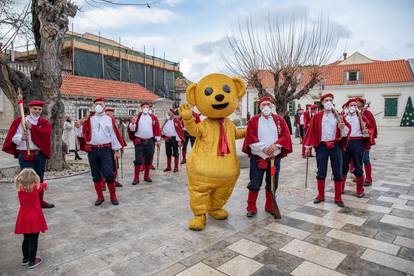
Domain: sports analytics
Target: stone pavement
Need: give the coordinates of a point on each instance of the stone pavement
(146, 234)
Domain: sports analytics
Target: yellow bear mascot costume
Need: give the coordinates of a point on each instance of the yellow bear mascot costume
(213, 166)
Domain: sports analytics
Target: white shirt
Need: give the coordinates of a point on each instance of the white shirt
(329, 124)
(169, 130)
(302, 119)
(17, 138)
(353, 120)
(144, 127)
(102, 131)
(267, 134)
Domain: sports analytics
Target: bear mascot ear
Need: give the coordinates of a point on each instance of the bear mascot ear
(191, 94)
(241, 87)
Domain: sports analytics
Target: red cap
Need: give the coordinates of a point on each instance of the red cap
(145, 103)
(265, 99)
(313, 106)
(37, 103)
(99, 99)
(349, 101)
(360, 100)
(326, 95)
(110, 109)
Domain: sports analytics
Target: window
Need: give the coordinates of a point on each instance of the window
(256, 107)
(82, 112)
(352, 76)
(391, 107)
(132, 112)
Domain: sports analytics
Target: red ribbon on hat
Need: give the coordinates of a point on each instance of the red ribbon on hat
(223, 147)
(20, 102)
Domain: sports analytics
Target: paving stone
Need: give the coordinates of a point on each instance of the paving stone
(282, 261)
(240, 266)
(270, 270)
(403, 241)
(287, 230)
(355, 266)
(380, 203)
(197, 257)
(267, 237)
(311, 211)
(390, 261)
(407, 253)
(360, 230)
(200, 269)
(314, 253)
(172, 270)
(392, 200)
(389, 228)
(386, 237)
(345, 247)
(410, 203)
(247, 248)
(307, 268)
(317, 220)
(402, 213)
(350, 219)
(404, 222)
(403, 207)
(220, 258)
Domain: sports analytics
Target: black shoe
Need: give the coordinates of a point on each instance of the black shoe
(135, 182)
(37, 262)
(99, 202)
(25, 262)
(316, 201)
(115, 202)
(361, 195)
(167, 170)
(250, 214)
(117, 184)
(182, 161)
(48, 206)
(148, 180)
(366, 184)
(340, 204)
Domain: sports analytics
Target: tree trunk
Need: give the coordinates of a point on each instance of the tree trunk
(50, 23)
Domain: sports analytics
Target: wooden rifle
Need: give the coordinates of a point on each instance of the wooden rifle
(23, 122)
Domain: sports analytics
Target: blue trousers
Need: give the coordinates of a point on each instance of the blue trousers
(38, 164)
(355, 152)
(146, 150)
(256, 174)
(366, 160)
(323, 154)
(101, 162)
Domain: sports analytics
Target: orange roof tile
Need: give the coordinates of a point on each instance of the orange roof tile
(394, 71)
(91, 87)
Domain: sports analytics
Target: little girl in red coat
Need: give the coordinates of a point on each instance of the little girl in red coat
(30, 220)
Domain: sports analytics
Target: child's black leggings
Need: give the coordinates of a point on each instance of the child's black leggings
(29, 246)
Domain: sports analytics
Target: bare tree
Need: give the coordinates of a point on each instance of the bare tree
(50, 19)
(290, 52)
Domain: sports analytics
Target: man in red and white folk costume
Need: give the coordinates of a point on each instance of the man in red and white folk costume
(103, 142)
(188, 137)
(173, 134)
(308, 115)
(359, 139)
(144, 131)
(267, 137)
(110, 112)
(39, 134)
(301, 124)
(325, 134)
(366, 160)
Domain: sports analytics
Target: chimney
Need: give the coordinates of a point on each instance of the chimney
(344, 55)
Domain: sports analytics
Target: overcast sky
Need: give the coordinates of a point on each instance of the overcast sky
(193, 32)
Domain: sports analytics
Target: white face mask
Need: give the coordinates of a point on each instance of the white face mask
(99, 108)
(145, 110)
(328, 105)
(352, 109)
(266, 110)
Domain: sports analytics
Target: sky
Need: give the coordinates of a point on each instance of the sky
(193, 32)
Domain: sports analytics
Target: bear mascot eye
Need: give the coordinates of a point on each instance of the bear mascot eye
(208, 91)
(226, 88)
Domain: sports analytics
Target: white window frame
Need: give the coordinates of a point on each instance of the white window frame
(357, 75)
(135, 111)
(84, 111)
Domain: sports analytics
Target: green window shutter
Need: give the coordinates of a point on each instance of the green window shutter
(391, 105)
(256, 107)
(292, 107)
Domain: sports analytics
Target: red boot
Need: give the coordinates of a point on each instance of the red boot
(168, 169)
(112, 193)
(321, 191)
(269, 202)
(338, 193)
(368, 176)
(103, 183)
(100, 197)
(343, 183)
(43, 203)
(176, 164)
(184, 154)
(251, 204)
(303, 151)
(147, 169)
(360, 186)
(137, 170)
(142, 162)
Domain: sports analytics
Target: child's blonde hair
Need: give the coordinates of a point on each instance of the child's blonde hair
(26, 179)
